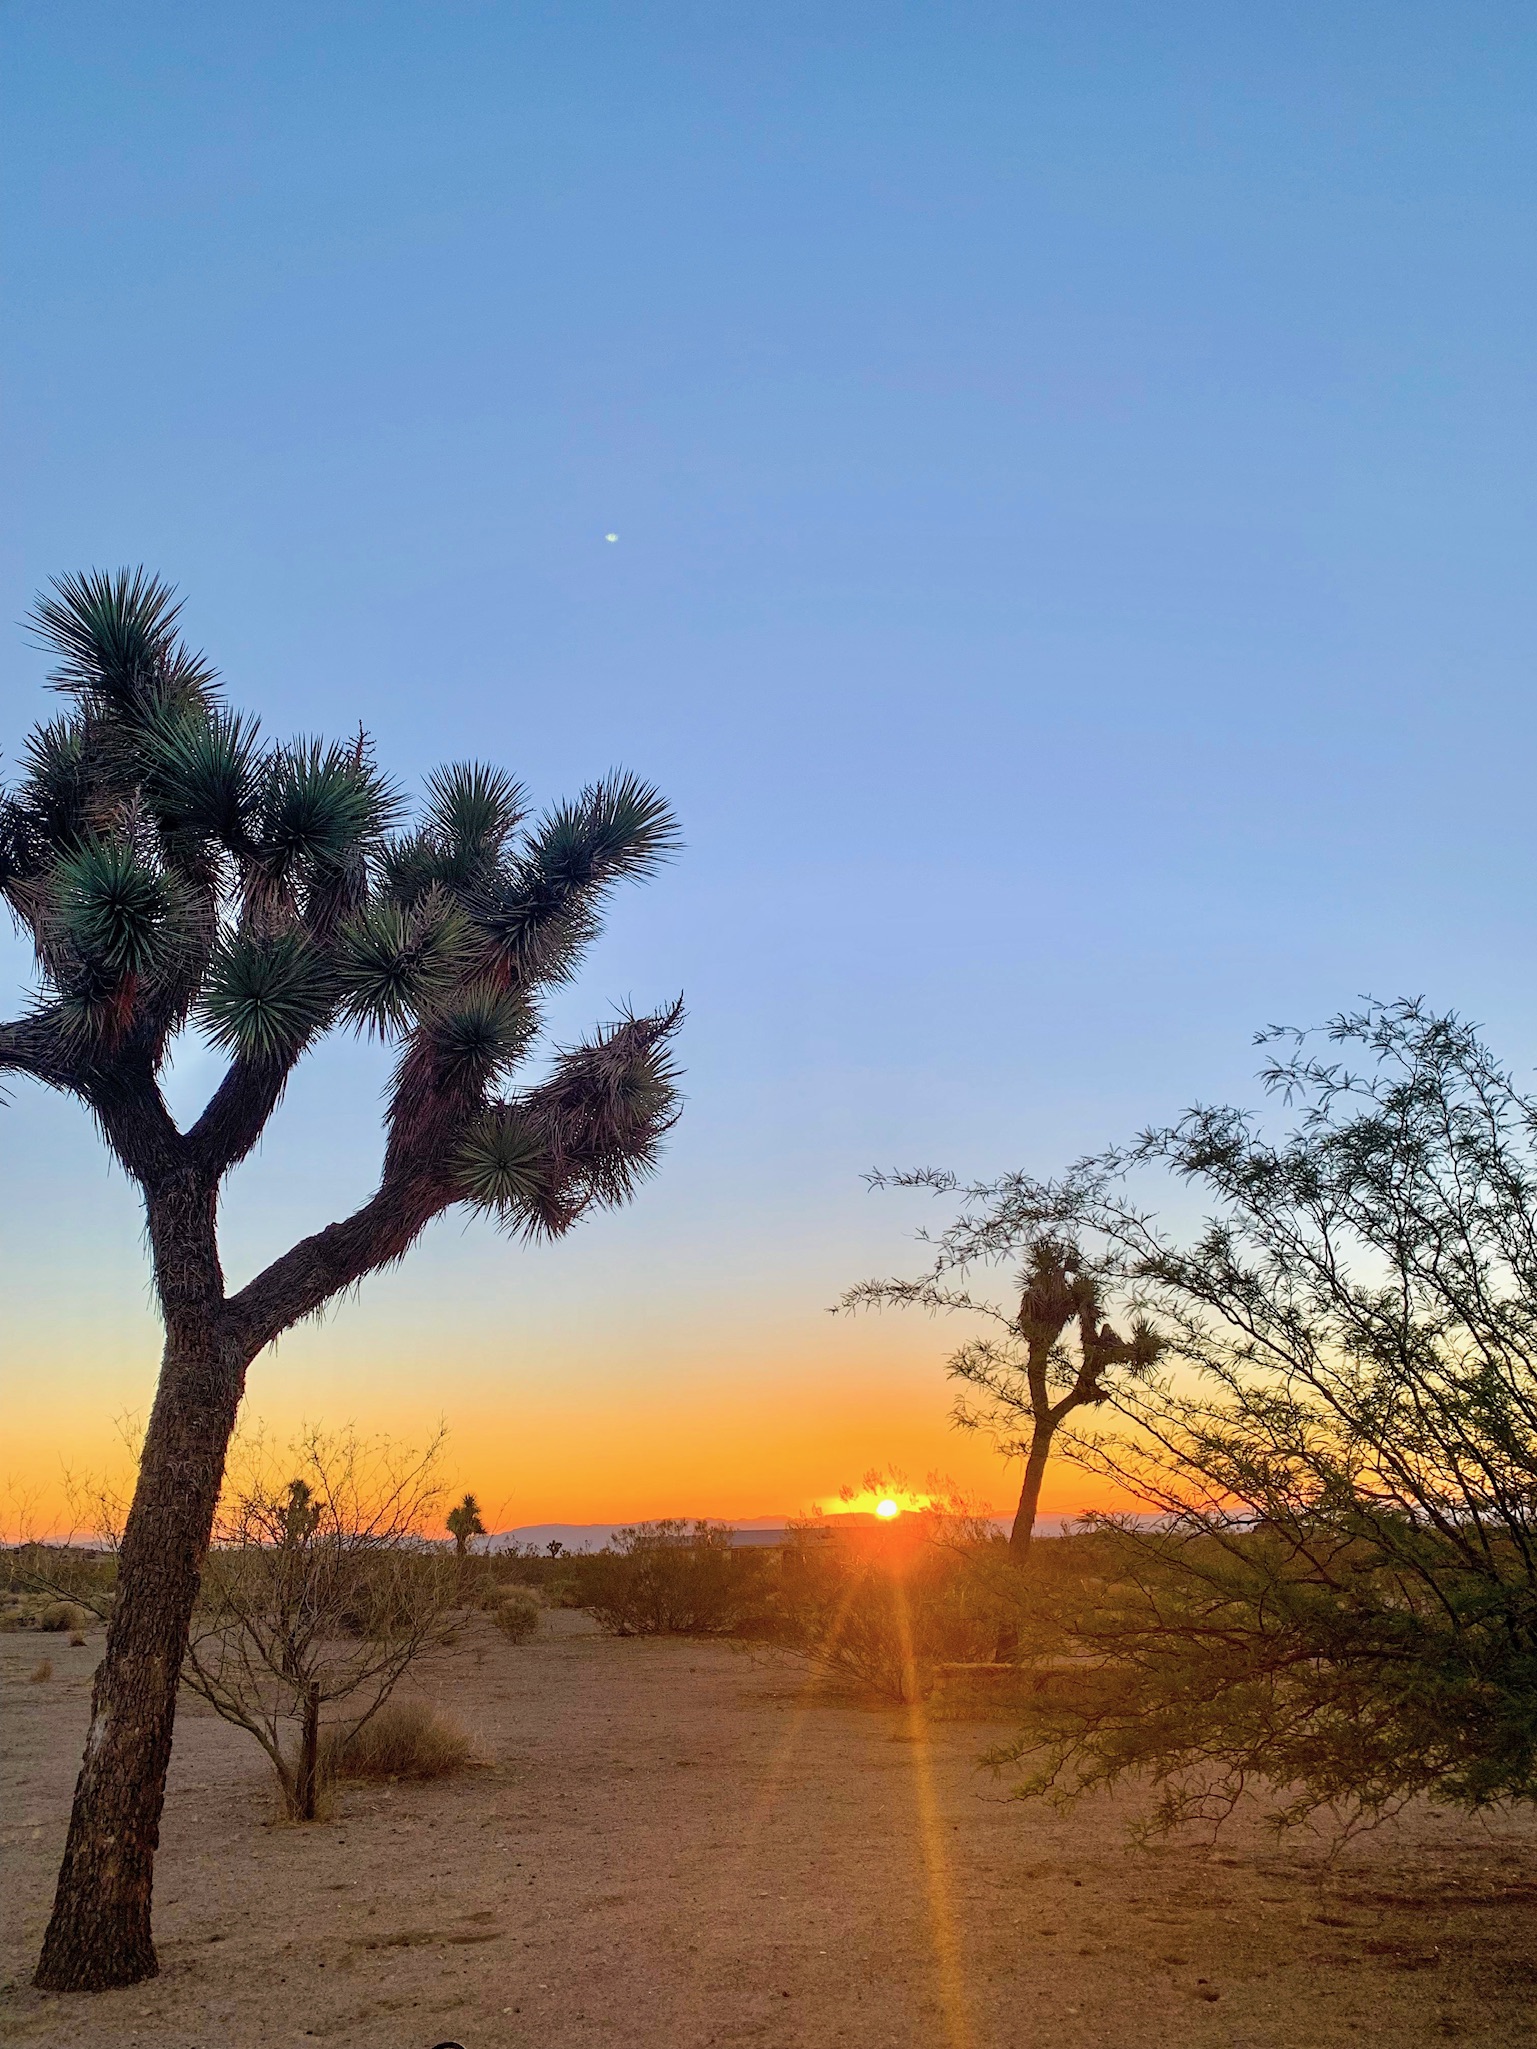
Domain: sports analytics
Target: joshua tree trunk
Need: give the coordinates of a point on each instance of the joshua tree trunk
(100, 1931)
(1030, 1492)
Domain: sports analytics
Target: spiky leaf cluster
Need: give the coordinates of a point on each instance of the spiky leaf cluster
(173, 865)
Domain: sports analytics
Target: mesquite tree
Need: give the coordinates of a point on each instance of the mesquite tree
(174, 870)
(1332, 1590)
(1027, 1382)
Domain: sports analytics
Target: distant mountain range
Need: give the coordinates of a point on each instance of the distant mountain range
(750, 1529)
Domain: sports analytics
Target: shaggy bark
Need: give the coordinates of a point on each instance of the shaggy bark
(99, 1934)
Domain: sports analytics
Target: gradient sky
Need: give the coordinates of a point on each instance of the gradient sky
(1073, 471)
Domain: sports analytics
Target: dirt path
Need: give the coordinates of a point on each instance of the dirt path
(675, 1846)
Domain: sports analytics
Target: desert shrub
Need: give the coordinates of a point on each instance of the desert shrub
(319, 1589)
(1330, 1592)
(32, 1575)
(43, 1672)
(77, 1641)
(61, 1615)
(888, 1608)
(672, 1579)
(516, 1614)
(405, 1739)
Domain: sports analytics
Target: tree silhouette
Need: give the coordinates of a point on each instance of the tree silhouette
(174, 869)
(1027, 1382)
(463, 1523)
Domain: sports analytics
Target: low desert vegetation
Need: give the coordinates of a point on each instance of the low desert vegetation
(52, 1580)
(62, 1615)
(320, 1594)
(41, 1672)
(885, 1609)
(1328, 1587)
(403, 1739)
(515, 1611)
(672, 1579)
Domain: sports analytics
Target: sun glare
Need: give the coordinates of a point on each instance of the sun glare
(887, 1509)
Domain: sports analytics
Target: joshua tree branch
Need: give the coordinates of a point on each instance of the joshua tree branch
(38, 1046)
(122, 1093)
(237, 1112)
(307, 1276)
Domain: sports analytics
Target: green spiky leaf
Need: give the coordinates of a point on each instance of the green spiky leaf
(621, 826)
(483, 1032)
(119, 648)
(394, 962)
(266, 998)
(537, 919)
(502, 1165)
(321, 807)
(201, 771)
(114, 909)
(55, 808)
(472, 808)
(412, 867)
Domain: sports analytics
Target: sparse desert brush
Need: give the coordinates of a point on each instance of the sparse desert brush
(673, 1579)
(405, 1739)
(516, 1613)
(888, 1608)
(62, 1615)
(319, 1591)
(42, 1672)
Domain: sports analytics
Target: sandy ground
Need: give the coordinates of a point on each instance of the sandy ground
(673, 1845)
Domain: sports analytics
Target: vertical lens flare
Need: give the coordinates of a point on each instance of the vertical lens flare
(936, 1865)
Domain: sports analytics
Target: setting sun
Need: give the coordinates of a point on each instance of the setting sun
(887, 1509)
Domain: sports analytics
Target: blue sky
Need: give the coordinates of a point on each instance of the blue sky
(1073, 476)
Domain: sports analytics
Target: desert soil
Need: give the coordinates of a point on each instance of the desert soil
(671, 1845)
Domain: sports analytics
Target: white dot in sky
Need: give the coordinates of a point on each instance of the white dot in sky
(610, 537)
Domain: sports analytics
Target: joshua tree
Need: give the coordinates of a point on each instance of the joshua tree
(463, 1523)
(1031, 1379)
(174, 869)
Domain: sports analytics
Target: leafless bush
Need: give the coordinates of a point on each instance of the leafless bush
(320, 1589)
(41, 1673)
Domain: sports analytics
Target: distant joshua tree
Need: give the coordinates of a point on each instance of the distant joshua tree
(463, 1523)
(173, 868)
(1029, 1380)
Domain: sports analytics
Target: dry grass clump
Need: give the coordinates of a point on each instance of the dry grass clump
(62, 1615)
(77, 1641)
(516, 1613)
(42, 1672)
(406, 1739)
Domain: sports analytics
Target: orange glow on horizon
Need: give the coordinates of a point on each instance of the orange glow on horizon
(558, 1438)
